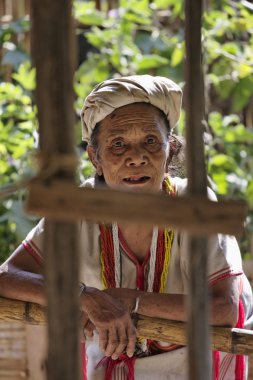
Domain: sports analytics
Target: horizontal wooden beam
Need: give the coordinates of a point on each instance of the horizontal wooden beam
(236, 341)
(60, 200)
(224, 339)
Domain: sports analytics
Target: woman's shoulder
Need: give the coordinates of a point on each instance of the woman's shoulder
(89, 182)
(180, 185)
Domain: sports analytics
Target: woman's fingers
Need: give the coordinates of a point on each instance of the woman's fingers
(115, 341)
(131, 334)
(83, 321)
(88, 329)
(122, 343)
(103, 339)
(86, 326)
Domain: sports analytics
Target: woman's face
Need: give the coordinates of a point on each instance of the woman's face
(132, 148)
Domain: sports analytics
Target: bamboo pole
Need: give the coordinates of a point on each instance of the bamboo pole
(236, 341)
(54, 54)
(63, 201)
(199, 358)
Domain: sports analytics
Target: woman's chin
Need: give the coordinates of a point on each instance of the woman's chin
(139, 186)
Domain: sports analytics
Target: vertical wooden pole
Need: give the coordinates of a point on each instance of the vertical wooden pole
(98, 5)
(54, 55)
(198, 321)
(2, 9)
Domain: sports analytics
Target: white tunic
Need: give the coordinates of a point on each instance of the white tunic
(224, 260)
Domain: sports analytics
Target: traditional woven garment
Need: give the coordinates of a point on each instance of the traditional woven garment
(224, 261)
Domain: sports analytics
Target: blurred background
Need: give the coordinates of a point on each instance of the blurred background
(124, 37)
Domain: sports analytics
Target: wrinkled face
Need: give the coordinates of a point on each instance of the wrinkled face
(132, 148)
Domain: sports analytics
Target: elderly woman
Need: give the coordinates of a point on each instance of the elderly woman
(130, 268)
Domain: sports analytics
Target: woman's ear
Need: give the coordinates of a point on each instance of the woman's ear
(94, 159)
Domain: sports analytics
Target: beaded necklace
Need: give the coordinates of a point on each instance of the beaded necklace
(110, 257)
(160, 251)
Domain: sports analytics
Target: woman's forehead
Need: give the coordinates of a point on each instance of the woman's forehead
(145, 116)
(139, 108)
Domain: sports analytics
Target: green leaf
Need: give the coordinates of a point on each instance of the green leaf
(223, 161)
(137, 18)
(161, 4)
(87, 14)
(220, 179)
(239, 134)
(25, 76)
(242, 93)
(225, 88)
(249, 193)
(177, 55)
(149, 61)
(215, 122)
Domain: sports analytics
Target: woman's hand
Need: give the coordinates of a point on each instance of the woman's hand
(86, 327)
(112, 321)
(125, 295)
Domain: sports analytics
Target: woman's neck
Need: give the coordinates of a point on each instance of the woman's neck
(138, 238)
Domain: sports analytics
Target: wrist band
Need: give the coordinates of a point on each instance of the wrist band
(137, 301)
(82, 288)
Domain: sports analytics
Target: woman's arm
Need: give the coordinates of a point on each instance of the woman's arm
(224, 298)
(21, 278)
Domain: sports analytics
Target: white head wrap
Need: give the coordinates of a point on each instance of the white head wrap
(161, 92)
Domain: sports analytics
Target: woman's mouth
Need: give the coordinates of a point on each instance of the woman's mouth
(136, 179)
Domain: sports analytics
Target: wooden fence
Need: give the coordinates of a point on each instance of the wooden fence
(53, 95)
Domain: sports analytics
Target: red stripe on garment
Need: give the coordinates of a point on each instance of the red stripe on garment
(216, 364)
(219, 271)
(240, 363)
(107, 250)
(36, 256)
(140, 267)
(239, 359)
(84, 361)
(223, 276)
(226, 362)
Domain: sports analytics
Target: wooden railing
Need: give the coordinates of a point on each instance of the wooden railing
(224, 339)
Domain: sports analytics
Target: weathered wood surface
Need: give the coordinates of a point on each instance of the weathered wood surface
(199, 359)
(13, 351)
(61, 200)
(223, 339)
(53, 52)
(16, 311)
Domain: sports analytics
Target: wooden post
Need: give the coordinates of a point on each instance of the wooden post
(98, 5)
(198, 321)
(54, 54)
(2, 9)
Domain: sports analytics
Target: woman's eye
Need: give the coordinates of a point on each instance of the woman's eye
(151, 141)
(118, 144)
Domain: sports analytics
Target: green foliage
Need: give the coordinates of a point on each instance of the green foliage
(18, 132)
(228, 45)
(230, 163)
(13, 53)
(140, 37)
(126, 42)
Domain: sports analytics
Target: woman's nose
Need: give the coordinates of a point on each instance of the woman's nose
(136, 157)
